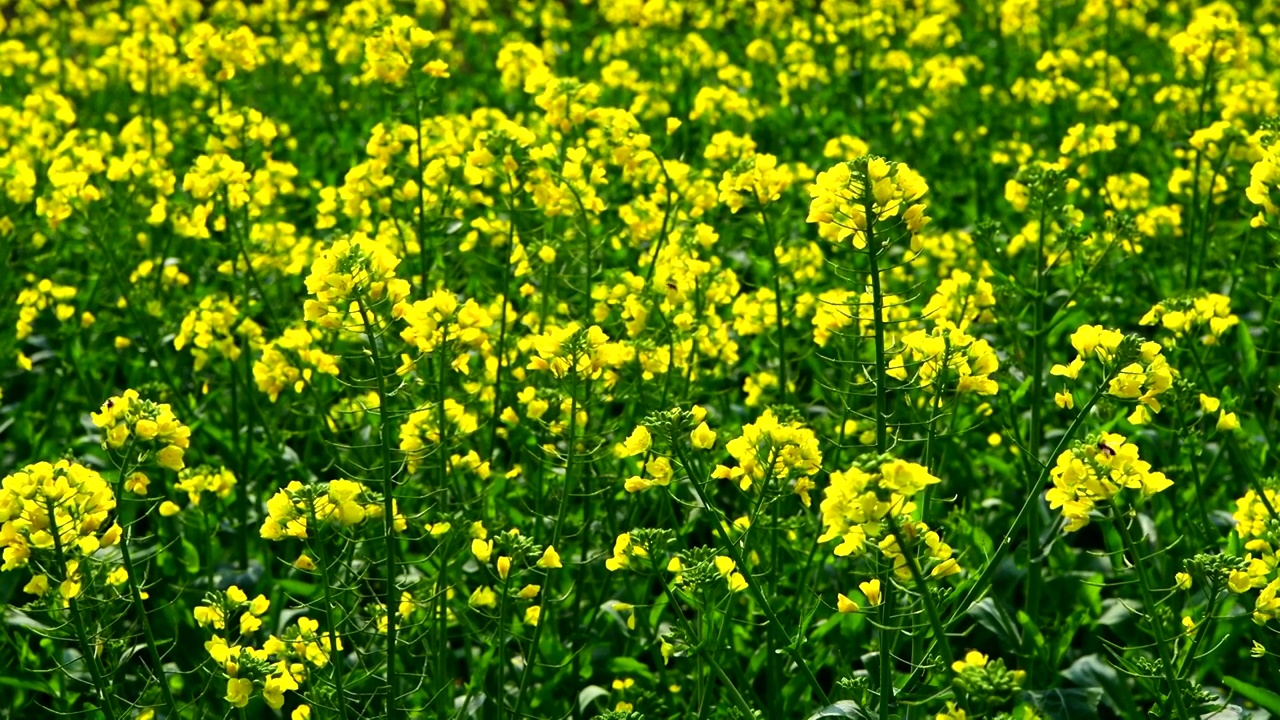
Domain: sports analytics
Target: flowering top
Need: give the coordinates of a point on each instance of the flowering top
(1096, 472)
(1144, 375)
(947, 359)
(352, 270)
(128, 417)
(1183, 316)
(1264, 176)
(773, 450)
(758, 179)
(47, 507)
(852, 197)
(211, 330)
(204, 479)
(389, 52)
(439, 318)
(343, 502)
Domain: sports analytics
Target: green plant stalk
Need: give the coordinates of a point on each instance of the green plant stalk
(423, 255)
(502, 330)
(134, 592)
(82, 636)
(777, 303)
(877, 309)
(1158, 632)
(502, 645)
(388, 507)
(885, 666)
(930, 608)
(984, 578)
(555, 537)
(1036, 432)
(1201, 632)
(242, 496)
(689, 628)
(882, 427)
(336, 663)
(774, 625)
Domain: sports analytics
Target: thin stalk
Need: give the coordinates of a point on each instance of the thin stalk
(82, 636)
(930, 608)
(388, 506)
(165, 693)
(886, 658)
(882, 431)
(555, 537)
(1036, 432)
(774, 625)
(1201, 632)
(1157, 624)
(689, 628)
(335, 663)
(780, 319)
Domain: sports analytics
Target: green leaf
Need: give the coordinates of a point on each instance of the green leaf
(630, 666)
(1072, 704)
(190, 557)
(1248, 351)
(992, 616)
(1092, 671)
(842, 709)
(1264, 698)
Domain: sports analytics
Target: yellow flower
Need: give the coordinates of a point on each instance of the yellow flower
(38, 585)
(1182, 581)
(703, 437)
(550, 559)
(533, 614)
(638, 442)
(169, 508)
(1239, 581)
(238, 691)
(302, 712)
(871, 589)
(845, 605)
(972, 659)
(1228, 422)
(482, 549)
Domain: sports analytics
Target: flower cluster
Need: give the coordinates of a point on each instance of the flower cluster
(771, 451)
(852, 197)
(143, 425)
(1096, 472)
(55, 515)
(292, 511)
(864, 504)
(349, 275)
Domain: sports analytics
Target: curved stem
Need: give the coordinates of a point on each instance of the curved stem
(335, 663)
(82, 636)
(1157, 624)
(774, 625)
(388, 506)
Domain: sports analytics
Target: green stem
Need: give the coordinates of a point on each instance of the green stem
(877, 309)
(82, 636)
(780, 318)
(388, 507)
(738, 700)
(774, 625)
(1157, 624)
(885, 666)
(329, 619)
(930, 607)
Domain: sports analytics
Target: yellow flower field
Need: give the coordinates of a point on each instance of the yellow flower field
(639, 359)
